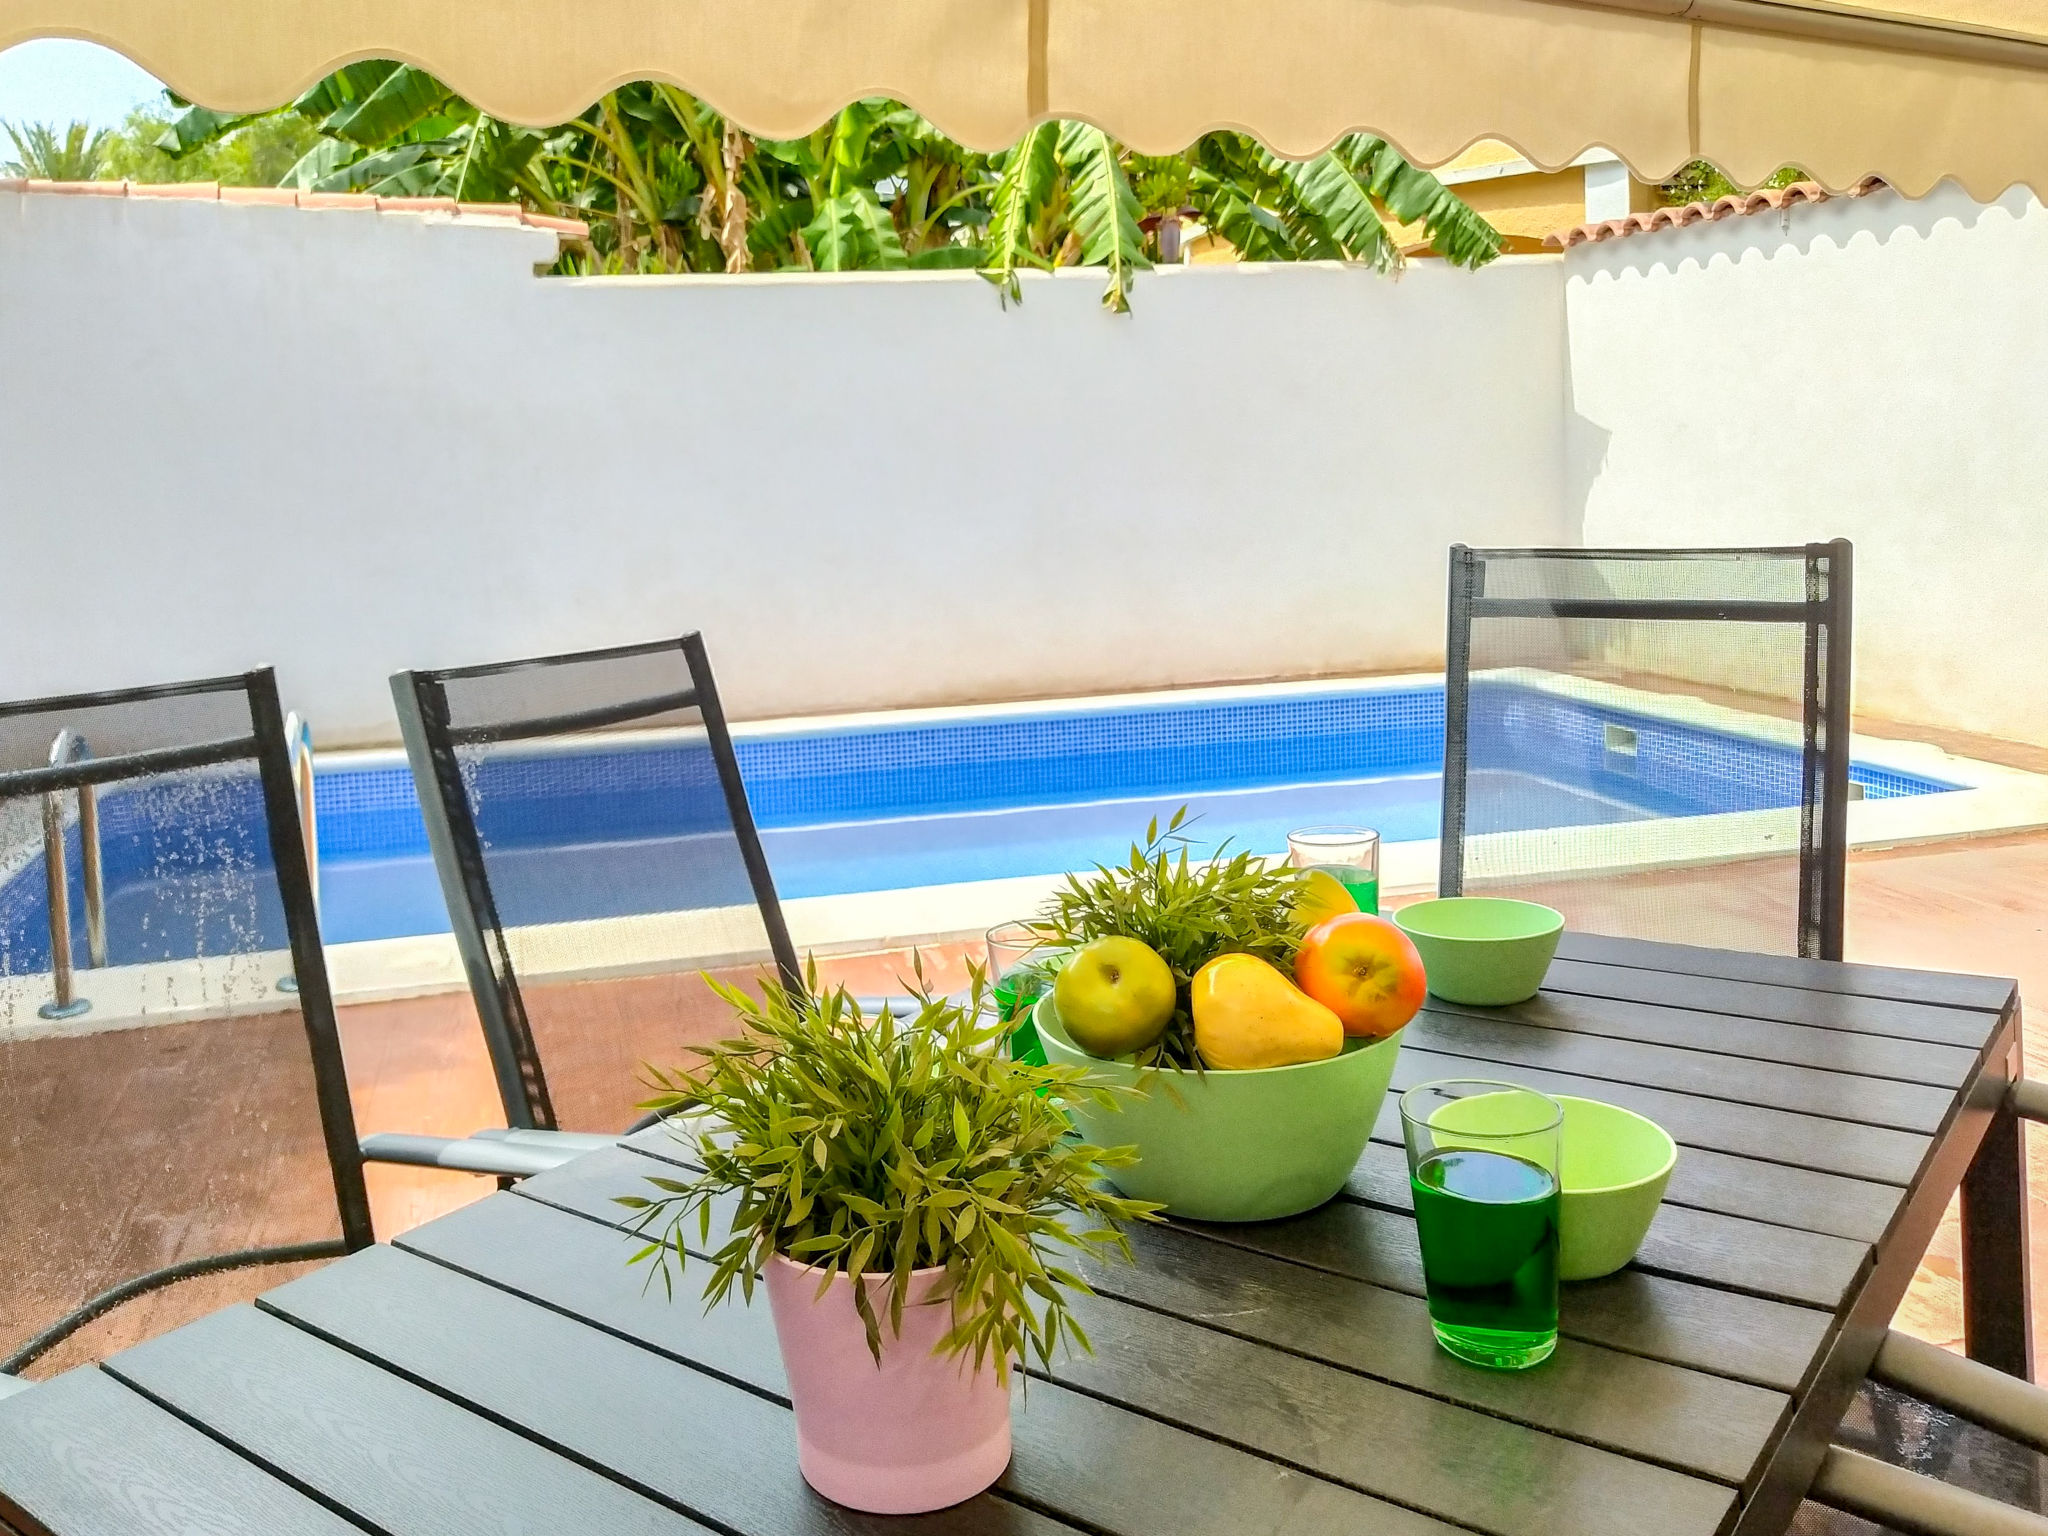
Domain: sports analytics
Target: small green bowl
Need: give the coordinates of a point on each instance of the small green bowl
(1616, 1167)
(1484, 950)
(1234, 1146)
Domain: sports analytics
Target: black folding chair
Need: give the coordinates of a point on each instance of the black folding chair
(1656, 742)
(172, 1102)
(1653, 741)
(597, 854)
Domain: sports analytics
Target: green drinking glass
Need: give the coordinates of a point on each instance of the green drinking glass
(1351, 854)
(1483, 1168)
(1018, 976)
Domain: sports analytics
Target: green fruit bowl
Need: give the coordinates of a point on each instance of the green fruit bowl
(1616, 1167)
(1483, 950)
(1234, 1146)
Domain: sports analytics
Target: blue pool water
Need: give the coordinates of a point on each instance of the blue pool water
(611, 829)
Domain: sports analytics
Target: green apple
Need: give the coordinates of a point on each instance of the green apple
(1114, 996)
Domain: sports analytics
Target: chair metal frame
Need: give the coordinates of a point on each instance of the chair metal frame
(267, 746)
(430, 744)
(1825, 614)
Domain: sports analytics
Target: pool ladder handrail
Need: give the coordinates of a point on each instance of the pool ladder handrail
(298, 742)
(69, 746)
(298, 745)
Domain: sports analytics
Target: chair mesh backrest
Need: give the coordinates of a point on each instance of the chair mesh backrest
(191, 1107)
(598, 857)
(1655, 742)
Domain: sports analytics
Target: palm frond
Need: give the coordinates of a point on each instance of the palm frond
(1028, 172)
(401, 101)
(1106, 210)
(324, 167)
(43, 153)
(853, 231)
(345, 87)
(1231, 211)
(196, 126)
(1456, 231)
(1332, 201)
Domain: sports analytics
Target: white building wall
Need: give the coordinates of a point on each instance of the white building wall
(1867, 368)
(346, 444)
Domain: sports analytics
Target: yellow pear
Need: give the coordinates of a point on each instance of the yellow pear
(1322, 895)
(1249, 1015)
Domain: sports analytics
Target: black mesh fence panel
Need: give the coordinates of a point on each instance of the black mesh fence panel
(598, 860)
(1653, 742)
(167, 1104)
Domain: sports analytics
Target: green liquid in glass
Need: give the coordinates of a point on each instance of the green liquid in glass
(1014, 996)
(1488, 1224)
(1363, 884)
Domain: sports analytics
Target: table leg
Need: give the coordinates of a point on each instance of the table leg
(1998, 1324)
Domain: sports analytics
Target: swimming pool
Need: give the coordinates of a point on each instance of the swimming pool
(935, 798)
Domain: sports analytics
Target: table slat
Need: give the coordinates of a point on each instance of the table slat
(1773, 1193)
(701, 1445)
(1094, 1462)
(1724, 1332)
(83, 1455)
(1868, 1152)
(402, 1457)
(1967, 1027)
(1803, 1045)
(1943, 988)
(1664, 1413)
(1459, 1464)
(1422, 1453)
(1638, 1406)
(1784, 1263)
(1804, 1090)
(1747, 1337)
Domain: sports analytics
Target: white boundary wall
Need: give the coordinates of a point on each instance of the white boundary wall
(347, 444)
(1868, 368)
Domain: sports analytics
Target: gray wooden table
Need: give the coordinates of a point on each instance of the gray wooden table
(501, 1370)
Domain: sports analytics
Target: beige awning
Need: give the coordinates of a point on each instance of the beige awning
(1955, 88)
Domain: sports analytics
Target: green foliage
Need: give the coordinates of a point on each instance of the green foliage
(1105, 210)
(874, 1147)
(1190, 912)
(1029, 171)
(666, 184)
(1413, 196)
(44, 152)
(852, 230)
(1699, 182)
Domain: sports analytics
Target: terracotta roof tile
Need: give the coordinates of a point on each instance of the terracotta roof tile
(1736, 205)
(288, 197)
(193, 191)
(363, 200)
(79, 188)
(419, 204)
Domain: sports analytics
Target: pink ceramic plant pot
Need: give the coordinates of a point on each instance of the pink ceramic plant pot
(918, 1431)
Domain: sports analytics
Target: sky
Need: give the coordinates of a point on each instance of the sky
(57, 81)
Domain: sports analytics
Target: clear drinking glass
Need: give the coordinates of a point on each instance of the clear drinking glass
(1483, 1167)
(1018, 978)
(1352, 854)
